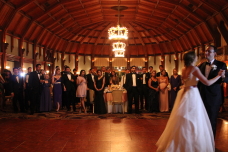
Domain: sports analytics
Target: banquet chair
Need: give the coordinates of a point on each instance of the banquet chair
(91, 97)
(117, 99)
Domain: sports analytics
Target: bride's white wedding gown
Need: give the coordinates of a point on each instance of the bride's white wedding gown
(188, 128)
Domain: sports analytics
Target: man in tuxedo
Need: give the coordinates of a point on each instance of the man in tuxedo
(69, 88)
(90, 85)
(161, 67)
(106, 75)
(144, 77)
(123, 78)
(34, 82)
(27, 89)
(132, 85)
(17, 88)
(212, 95)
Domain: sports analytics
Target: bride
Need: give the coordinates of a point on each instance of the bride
(188, 128)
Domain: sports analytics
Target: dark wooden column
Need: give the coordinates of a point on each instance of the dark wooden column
(21, 52)
(76, 62)
(62, 61)
(3, 48)
(92, 61)
(110, 63)
(35, 54)
(146, 62)
(128, 63)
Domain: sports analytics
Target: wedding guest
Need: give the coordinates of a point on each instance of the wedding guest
(45, 99)
(114, 79)
(90, 87)
(57, 89)
(7, 76)
(99, 104)
(153, 93)
(161, 68)
(144, 88)
(175, 82)
(27, 89)
(75, 72)
(17, 91)
(150, 70)
(132, 85)
(123, 78)
(42, 73)
(69, 89)
(82, 89)
(34, 84)
(77, 100)
(106, 75)
(163, 95)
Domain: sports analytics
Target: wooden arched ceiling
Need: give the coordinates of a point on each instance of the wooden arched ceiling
(80, 26)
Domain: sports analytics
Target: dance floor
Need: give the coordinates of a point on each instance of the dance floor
(110, 134)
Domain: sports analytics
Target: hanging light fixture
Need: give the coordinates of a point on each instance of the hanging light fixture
(119, 48)
(118, 32)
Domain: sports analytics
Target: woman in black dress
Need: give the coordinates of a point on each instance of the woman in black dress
(99, 104)
(153, 96)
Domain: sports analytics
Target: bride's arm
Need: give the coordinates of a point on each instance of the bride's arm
(203, 79)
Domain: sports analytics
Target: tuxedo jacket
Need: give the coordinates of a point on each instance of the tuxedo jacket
(15, 85)
(107, 78)
(34, 81)
(90, 83)
(129, 82)
(146, 78)
(67, 83)
(212, 95)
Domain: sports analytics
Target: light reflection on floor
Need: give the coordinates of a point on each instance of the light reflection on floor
(95, 135)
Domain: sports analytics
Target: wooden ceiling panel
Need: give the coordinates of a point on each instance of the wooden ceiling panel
(5, 13)
(176, 24)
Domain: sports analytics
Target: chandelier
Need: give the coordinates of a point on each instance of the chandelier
(118, 33)
(119, 48)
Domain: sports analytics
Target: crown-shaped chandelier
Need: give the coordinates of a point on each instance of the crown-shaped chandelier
(118, 32)
(119, 48)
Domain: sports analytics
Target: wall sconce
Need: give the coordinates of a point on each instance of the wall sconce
(145, 60)
(24, 69)
(36, 54)
(162, 60)
(47, 71)
(128, 60)
(7, 67)
(110, 60)
(5, 45)
(23, 50)
(175, 59)
(77, 60)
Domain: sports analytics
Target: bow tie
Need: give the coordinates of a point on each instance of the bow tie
(208, 63)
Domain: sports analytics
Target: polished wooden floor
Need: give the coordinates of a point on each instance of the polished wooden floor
(89, 135)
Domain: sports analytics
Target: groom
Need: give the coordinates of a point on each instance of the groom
(212, 95)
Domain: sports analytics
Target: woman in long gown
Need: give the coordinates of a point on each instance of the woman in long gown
(163, 95)
(45, 100)
(57, 89)
(153, 93)
(188, 128)
(175, 82)
(99, 104)
(82, 89)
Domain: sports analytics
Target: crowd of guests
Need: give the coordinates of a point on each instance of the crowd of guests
(150, 90)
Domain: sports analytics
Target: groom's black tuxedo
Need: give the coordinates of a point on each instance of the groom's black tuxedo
(212, 95)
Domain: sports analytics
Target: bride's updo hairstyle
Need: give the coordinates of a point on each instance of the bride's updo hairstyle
(189, 58)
